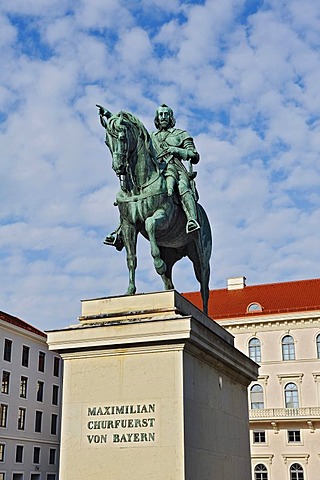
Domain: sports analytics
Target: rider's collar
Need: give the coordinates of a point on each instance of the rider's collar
(170, 130)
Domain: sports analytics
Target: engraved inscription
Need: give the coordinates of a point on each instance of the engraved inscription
(121, 424)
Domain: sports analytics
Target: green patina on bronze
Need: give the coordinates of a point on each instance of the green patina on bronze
(158, 197)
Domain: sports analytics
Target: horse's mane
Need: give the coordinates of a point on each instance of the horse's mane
(142, 132)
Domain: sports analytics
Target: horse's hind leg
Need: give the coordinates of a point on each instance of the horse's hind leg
(169, 258)
(129, 235)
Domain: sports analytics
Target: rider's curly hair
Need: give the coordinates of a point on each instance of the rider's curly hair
(172, 119)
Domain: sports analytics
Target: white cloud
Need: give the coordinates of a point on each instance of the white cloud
(134, 49)
(36, 7)
(99, 14)
(8, 33)
(245, 85)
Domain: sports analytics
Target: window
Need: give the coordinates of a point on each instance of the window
(41, 361)
(56, 366)
(256, 397)
(7, 350)
(36, 455)
(294, 436)
(3, 415)
(2, 449)
(288, 352)
(296, 472)
(5, 382)
(17, 476)
(52, 456)
(255, 349)
(318, 346)
(19, 453)
(38, 422)
(23, 387)
(54, 424)
(260, 472)
(21, 418)
(51, 476)
(259, 436)
(55, 394)
(291, 395)
(25, 356)
(254, 307)
(40, 388)
(35, 476)
(2, 476)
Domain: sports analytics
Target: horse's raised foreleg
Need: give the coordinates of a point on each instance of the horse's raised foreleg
(151, 225)
(129, 235)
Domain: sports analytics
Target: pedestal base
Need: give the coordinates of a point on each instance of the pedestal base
(153, 389)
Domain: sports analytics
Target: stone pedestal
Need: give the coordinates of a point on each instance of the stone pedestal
(153, 390)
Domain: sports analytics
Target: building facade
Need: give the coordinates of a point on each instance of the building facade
(278, 326)
(30, 401)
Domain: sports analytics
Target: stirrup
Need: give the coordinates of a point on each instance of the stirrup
(192, 175)
(114, 240)
(192, 226)
(109, 240)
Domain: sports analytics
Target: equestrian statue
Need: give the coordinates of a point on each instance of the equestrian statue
(158, 196)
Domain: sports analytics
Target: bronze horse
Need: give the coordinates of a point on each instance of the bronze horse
(146, 208)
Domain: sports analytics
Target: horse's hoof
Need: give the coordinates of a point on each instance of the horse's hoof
(131, 291)
(168, 285)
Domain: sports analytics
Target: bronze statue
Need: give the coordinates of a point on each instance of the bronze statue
(172, 146)
(157, 196)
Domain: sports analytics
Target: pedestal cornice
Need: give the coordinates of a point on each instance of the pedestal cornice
(158, 319)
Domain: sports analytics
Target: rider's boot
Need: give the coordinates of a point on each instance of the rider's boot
(115, 239)
(190, 209)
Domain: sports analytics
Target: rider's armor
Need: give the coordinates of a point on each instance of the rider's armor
(175, 172)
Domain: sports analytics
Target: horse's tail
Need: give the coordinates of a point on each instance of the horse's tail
(204, 249)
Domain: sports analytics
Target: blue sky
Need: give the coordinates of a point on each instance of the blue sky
(242, 78)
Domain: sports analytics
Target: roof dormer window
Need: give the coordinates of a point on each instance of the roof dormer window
(254, 307)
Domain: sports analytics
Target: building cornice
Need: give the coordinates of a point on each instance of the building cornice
(285, 377)
(17, 330)
(264, 457)
(272, 321)
(302, 457)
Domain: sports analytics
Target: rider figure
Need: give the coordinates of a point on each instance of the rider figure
(173, 145)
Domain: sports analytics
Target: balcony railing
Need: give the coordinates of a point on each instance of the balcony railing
(278, 413)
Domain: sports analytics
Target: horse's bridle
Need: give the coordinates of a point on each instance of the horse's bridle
(121, 155)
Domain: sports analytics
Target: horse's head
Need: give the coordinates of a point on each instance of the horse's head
(118, 142)
(133, 156)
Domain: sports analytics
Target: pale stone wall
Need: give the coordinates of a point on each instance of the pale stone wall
(122, 378)
(277, 453)
(216, 422)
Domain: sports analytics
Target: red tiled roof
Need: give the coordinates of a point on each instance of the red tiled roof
(20, 323)
(286, 297)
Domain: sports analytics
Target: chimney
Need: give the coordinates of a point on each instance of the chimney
(236, 283)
